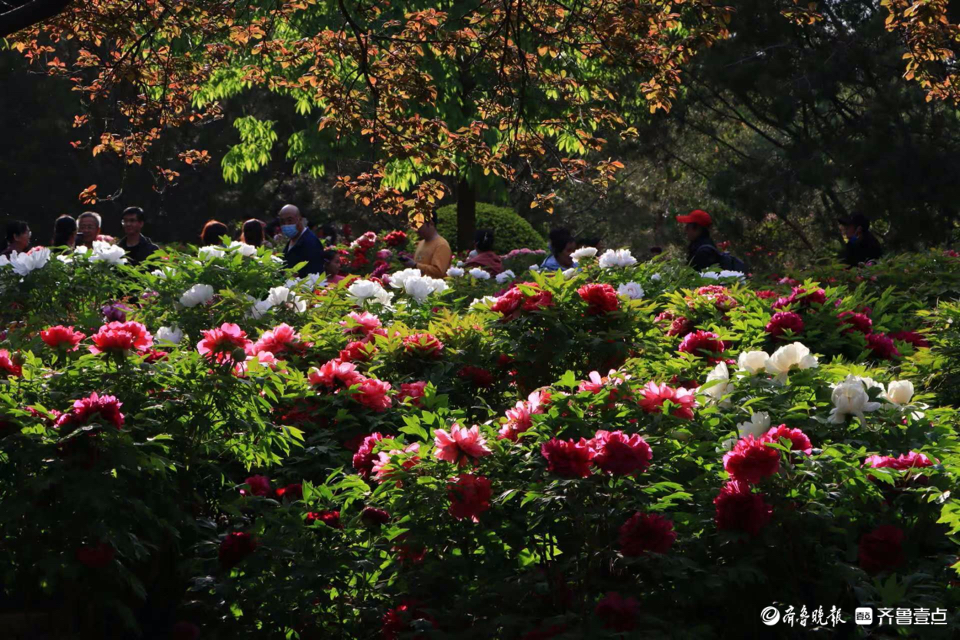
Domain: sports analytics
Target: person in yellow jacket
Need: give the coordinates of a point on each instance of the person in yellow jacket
(433, 254)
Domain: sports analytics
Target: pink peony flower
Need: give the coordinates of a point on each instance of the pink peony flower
(365, 458)
(412, 392)
(280, 340)
(381, 467)
(798, 439)
(520, 418)
(459, 444)
(219, 345)
(121, 337)
(568, 458)
(335, 374)
(703, 343)
(84, 410)
(620, 454)
(423, 344)
(61, 337)
(373, 394)
(364, 323)
(643, 533)
(655, 396)
(751, 460)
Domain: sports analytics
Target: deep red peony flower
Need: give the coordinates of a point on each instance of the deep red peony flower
(291, 492)
(751, 460)
(600, 298)
(460, 445)
(881, 549)
(882, 346)
(329, 518)
(373, 517)
(399, 621)
(95, 556)
(617, 613)
(478, 376)
(335, 374)
(739, 509)
(655, 395)
(395, 239)
(644, 532)
(911, 337)
(703, 344)
(798, 439)
(800, 297)
(7, 366)
(259, 486)
(783, 321)
(765, 295)
(469, 496)
(121, 337)
(539, 300)
(855, 322)
(412, 391)
(365, 457)
(620, 454)
(236, 546)
(373, 394)
(508, 303)
(568, 458)
(219, 345)
(357, 352)
(423, 344)
(84, 410)
(280, 340)
(61, 337)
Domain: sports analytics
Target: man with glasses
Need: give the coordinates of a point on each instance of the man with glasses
(137, 245)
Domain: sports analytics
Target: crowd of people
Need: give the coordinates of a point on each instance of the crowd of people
(303, 249)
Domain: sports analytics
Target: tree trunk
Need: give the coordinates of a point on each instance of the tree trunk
(466, 215)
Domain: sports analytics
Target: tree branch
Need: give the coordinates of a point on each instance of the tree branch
(30, 14)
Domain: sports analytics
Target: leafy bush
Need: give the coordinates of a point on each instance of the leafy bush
(510, 230)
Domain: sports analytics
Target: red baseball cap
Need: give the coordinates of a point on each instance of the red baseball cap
(696, 216)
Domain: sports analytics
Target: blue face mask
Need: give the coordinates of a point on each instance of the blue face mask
(289, 230)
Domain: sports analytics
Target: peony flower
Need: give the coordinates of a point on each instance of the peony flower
(258, 486)
(372, 517)
(412, 391)
(95, 556)
(328, 518)
(569, 273)
(798, 439)
(108, 253)
(334, 374)
(881, 549)
(789, 357)
(478, 376)
(364, 458)
(280, 297)
(899, 392)
(753, 362)
(644, 533)
(423, 344)
(172, 334)
(911, 337)
(756, 426)
(395, 239)
(84, 410)
(617, 613)
(357, 351)
(24, 263)
(703, 344)
(384, 460)
(469, 496)
(716, 393)
(655, 396)
(568, 458)
(459, 444)
(784, 321)
(290, 493)
(280, 340)
(520, 418)
(583, 253)
(506, 275)
(882, 346)
(850, 399)
(196, 295)
(400, 621)
(455, 272)
(860, 322)
(61, 337)
(620, 454)
(211, 252)
(479, 274)
(361, 292)
(535, 268)
(373, 394)
(739, 509)
(751, 460)
(631, 290)
(399, 278)
(904, 462)
(600, 298)
(617, 259)
(221, 345)
(420, 287)
(121, 338)
(235, 547)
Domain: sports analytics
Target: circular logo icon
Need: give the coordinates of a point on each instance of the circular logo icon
(770, 616)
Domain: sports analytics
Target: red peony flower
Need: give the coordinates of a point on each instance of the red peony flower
(335, 374)
(703, 344)
(373, 517)
(291, 492)
(399, 621)
(568, 458)
(373, 394)
(121, 337)
(236, 546)
(798, 439)
(643, 533)
(765, 295)
(357, 352)
(95, 556)
(478, 376)
(539, 300)
(600, 298)
(460, 445)
(654, 397)
(855, 322)
(911, 337)
(508, 303)
(7, 366)
(545, 633)
(423, 344)
(280, 340)
(61, 337)
(329, 518)
(617, 613)
(412, 391)
(783, 321)
(259, 486)
(882, 346)
(739, 509)
(800, 296)
(620, 454)
(881, 549)
(221, 345)
(395, 239)
(365, 457)
(85, 409)
(469, 496)
(751, 460)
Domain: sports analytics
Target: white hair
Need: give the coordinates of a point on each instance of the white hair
(90, 214)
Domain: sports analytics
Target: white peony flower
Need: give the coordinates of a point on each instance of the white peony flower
(5, 262)
(656, 277)
(506, 275)
(479, 274)
(756, 426)
(617, 259)
(308, 282)
(850, 399)
(210, 252)
(455, 272)
(584, 252)
(535, 268)
(163, 274)
(244, 249)
(169, 334)
(710, 275)
(899, 392)
(715, 393)
(631, 290)
(24, 263)
(109, 253)
(732, 274)
(419, 288)
(485, 301)
(753, 362)
(361, 291)
(283, 296)
(62, 258)
(791, 356)
(397, 279)
(197, 294)
(569, 273)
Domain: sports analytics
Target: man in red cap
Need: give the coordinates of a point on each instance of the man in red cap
(701, 253)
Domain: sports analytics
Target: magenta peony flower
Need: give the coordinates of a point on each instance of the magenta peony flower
(620, 454)
(798, 439)
(568, 458)
(219, 345)
(335, 374)
(882, 346)
(84, 410)
(881, 549)
(911, 337)
(703, 343)
(617, 613)
(751, 460)
(61, 337)
(121, 338)
(739, 509)
(235, 547)
(7, 365)
(373, 394)
(469, 496)
(460, 444)
(784, 321)
(373, 517)
(364, 323)
(364, 458)
(412, 391)
(258, 486)
(644, 533)
(280, 340)
(859, 322)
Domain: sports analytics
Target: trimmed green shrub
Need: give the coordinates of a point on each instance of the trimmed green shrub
(511, 231)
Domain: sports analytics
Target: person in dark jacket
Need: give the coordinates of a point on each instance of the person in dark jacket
(302, 244)
(862, 246)
(138, 246)
(702, 253)
(18, 238)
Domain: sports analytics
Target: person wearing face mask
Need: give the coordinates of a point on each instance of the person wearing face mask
(303, 246)
(862, 246)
